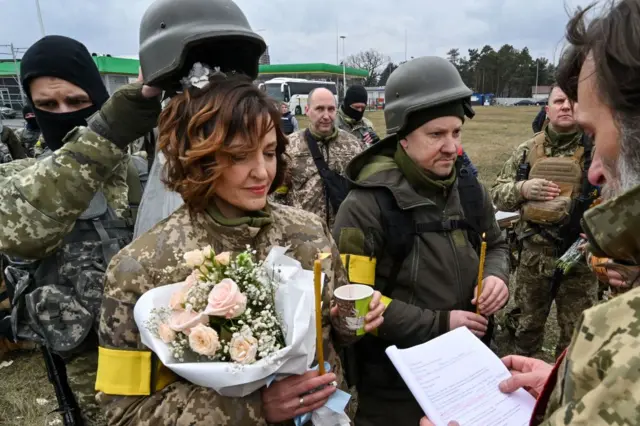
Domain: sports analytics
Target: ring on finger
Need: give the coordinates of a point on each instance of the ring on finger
(301, 401)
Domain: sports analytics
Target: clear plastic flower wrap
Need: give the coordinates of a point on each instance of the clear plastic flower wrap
(571, 257)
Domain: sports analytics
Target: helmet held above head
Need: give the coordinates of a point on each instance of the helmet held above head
(175, 35)
(421, 84)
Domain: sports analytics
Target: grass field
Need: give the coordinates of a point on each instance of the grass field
(25, 394)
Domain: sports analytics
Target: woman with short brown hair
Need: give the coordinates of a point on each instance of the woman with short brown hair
(224, 154)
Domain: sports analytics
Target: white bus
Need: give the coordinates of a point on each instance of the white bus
(295, 91)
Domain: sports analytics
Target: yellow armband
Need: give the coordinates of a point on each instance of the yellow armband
(131, 373)
(360, 269)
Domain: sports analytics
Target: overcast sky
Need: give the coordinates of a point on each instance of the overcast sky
(299, 31)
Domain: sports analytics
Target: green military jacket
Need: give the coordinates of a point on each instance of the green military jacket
(41, 200)
(597, 381)
(439, 274)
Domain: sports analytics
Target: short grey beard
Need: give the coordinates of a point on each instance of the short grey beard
(626, 170)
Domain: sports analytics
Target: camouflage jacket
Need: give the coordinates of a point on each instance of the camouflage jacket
(356, 128)
(304, 186)
(28, 139)
(41, 200)
(5, 154)
(155, 259)
(596, 383)
(9, 138)
(506, 191)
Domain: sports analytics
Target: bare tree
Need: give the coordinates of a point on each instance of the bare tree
(370, 60)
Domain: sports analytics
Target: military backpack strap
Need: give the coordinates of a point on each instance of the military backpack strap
(336, 186)
(398, 228)
(472, 200)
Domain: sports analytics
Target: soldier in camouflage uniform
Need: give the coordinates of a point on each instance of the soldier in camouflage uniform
(594, 382)
(10, 147)
(5, 154)
(538, 233)
(235, 216)
(58, 204)
(30, 133)
(304, 187)
(350, 117)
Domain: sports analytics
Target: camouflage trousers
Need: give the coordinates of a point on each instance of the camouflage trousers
(577, 292)
(81, 373)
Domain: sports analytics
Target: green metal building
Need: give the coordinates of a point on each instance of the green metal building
(120, 71)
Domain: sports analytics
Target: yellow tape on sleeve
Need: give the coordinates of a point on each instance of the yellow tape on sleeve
(129, 372)
(360, 269)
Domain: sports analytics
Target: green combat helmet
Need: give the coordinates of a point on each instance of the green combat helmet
(422, 83)
(176, 34)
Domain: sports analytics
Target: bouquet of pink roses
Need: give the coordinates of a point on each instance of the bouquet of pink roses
(234, 324)
(224, 311)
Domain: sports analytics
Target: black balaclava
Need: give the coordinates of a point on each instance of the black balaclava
(66, 59)
(30, 118)
(356, 94)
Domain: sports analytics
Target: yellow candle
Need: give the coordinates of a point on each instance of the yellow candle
(483, 253)
(317, 274)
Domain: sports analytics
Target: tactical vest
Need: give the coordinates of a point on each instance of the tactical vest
(56, 300)
(566, 172)
(287, 123)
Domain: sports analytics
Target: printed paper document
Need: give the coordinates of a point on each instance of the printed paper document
(455, 377)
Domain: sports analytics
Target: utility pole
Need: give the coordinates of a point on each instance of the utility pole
(40, 18)
(337, 43)
(536, 88)
(405, 45)
(344, 67)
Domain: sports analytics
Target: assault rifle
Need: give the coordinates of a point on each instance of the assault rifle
(523, 168)
(67, 404)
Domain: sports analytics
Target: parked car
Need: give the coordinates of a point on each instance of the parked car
(542, 102)
(7, 112)
(524, 102)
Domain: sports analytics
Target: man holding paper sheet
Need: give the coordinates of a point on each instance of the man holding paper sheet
(411, 228)
(595, 381)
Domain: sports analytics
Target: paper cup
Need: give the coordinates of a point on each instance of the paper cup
(353, 304)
